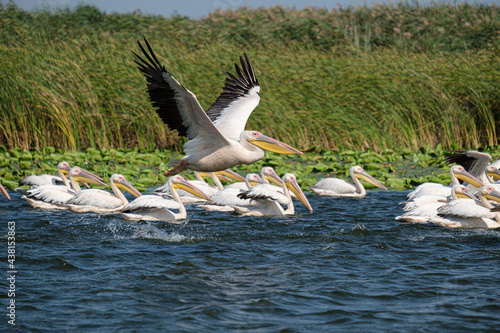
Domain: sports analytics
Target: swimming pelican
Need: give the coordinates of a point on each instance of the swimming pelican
(470, 214)
(217, 139)
(46, 179)
(457, 172)
(4, 192)
(201, 184)
(425, 207)
(228, 197)
(157, 208)
(100, 201)
(266, 202)
(56, 196)
(340, 188)
(41, 180)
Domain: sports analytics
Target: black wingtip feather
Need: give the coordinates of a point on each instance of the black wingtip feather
(161, 94)
(236, 86)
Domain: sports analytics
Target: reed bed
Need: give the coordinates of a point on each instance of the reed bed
(366, 78)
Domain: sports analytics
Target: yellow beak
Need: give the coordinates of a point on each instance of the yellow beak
(4, 191)
(273, 145)
(126, 186)
(369, 179)
(188, 187)
(295, 188)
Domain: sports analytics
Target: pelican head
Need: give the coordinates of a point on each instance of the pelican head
(360, 173)
(64, 167)
(264, 142)
(253, 179)
(460, 172)
(493, 172)
(122, 183)
(291, 183)
(271, 176)
(4, 191)
(180, 183)
(463, 192)
(490, 193)
(83, 176)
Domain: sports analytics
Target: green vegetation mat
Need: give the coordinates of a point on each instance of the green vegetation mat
(398, 170)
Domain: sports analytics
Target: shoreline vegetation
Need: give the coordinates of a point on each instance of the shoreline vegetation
(390, 87)
(398, 170)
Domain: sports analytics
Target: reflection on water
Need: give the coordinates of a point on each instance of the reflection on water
(349, 266)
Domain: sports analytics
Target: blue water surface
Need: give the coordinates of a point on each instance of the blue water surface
(347, 267)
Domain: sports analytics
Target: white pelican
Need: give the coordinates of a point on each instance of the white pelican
(340, 188)
(267, 202)
(477, 164)
(4, 192)
(425, 207)
(63, 169)
(201, 184)
(457, 172)
(100, 201)
(468, 213)
(217, 139)
(228, 197)
(56, 196)
(37, 180)
(157, 208)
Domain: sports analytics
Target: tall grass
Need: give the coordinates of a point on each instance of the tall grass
(402, 76)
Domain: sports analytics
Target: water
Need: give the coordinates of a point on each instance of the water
(349, 266)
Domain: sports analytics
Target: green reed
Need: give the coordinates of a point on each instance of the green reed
(366, 78)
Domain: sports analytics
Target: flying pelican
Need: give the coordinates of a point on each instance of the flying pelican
(470, 214)
(100, 201)
(457, 172)
(56, 196)
(217, 139)
(425, 207)
(266, 202)
(477, 164)
(228, 197)
(4, 191)
(157, 208)
(340, 188)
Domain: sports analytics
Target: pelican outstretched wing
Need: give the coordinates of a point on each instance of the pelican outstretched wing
(177, 107)
(239, 98)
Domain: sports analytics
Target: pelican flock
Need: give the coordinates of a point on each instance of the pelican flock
(217, 140)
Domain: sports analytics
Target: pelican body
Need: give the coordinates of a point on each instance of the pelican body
(63, 169)
(470, 214)
(422, 209)
(201, 184)
(217, 139)
(56, 196)
(336, 187)
(100, 201)
(225, 199)
(457, 173)
(157, 208)
(268, 202)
